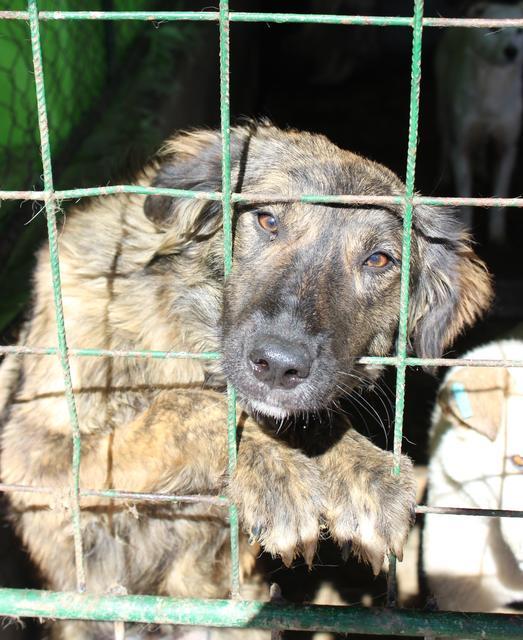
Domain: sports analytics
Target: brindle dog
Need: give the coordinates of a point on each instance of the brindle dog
(313, 287)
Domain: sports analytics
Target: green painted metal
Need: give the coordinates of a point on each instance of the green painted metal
(236, 16)
(73, 194)
(50, 207)
(112, 353)
(407, 227)
(287, 18)
(248, 614)
(225, 118)
(405, 259)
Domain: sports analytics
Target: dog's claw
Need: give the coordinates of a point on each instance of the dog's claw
(398, 552)
(255, 533)
(376, 562)
(287, 557)
(309, 551)
(346, 550)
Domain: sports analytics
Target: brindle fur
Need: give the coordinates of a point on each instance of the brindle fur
(147, 273)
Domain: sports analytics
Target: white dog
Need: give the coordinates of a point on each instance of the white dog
(479, 78)
(475, 563)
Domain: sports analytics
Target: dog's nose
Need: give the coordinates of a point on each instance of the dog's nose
(280, 363)
(511, 52)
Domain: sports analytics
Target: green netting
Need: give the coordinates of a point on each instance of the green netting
(78, 57)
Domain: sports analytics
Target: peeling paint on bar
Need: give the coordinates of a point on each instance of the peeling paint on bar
(281, 18)
(73, 194)
(51, 210)
(248, 614)
(222, 501)
(212, 355)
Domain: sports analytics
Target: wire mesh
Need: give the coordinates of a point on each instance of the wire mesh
(235, 612)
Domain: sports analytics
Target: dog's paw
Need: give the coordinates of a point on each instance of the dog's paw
(368, 510)
(277, 492)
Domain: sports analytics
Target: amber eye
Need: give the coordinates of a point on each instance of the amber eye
(268, 223)
(378, 260)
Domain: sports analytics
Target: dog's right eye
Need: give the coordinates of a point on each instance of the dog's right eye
(378, 260)
(268, 223)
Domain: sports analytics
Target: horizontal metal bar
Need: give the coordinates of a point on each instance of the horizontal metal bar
(258, 615)
(466, 511)
(212, 355)
(281, 18)
(109, 353)
(439, 362)
(73, 194)
(136, 496)
(152, 16)
(116, 494)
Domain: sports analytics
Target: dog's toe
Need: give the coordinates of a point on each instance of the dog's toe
(280, 510)
(374, 518)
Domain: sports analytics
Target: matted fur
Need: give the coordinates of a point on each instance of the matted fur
(146, 273)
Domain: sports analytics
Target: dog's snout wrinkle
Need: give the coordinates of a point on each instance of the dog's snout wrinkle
(280, 363)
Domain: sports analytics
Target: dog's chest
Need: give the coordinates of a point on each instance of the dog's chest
(492, 94)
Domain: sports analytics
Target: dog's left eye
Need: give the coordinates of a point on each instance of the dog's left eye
(378, 260)
(268, 223)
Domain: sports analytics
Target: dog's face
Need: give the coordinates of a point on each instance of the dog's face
(498, 46)
(314, 287)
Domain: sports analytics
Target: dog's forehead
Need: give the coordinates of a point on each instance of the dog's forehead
(298, 164)
(346, 223)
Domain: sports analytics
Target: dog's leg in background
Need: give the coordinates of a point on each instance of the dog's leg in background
(497, 222)
(462, 171)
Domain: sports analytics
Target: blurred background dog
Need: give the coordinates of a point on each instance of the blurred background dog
(479, 76)
(476, 461)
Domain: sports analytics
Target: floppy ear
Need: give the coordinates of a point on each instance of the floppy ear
(190, 161)
(193, 161)
(450, 286)
(475, 396)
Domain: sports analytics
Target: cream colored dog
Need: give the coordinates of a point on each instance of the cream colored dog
(479, 78)
(476, 563)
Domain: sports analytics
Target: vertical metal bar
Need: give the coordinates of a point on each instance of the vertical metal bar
(227, 258)
(405, 261)
(50, 208)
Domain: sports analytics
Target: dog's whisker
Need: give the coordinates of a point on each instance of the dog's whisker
(365, 405)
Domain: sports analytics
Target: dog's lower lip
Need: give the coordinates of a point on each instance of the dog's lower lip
(267, 409)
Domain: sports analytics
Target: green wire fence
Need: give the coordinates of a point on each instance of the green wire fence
(235, 612)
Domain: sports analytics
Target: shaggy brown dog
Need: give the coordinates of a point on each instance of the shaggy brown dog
(313, 288)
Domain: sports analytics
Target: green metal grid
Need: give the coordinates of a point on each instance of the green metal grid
(235, 613)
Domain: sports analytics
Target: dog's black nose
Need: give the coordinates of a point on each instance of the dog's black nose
(279, 363)
(511, 52)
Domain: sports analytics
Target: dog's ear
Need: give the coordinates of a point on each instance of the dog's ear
(475, 396)
(477, 10)
(189, 161)
(450, 286)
